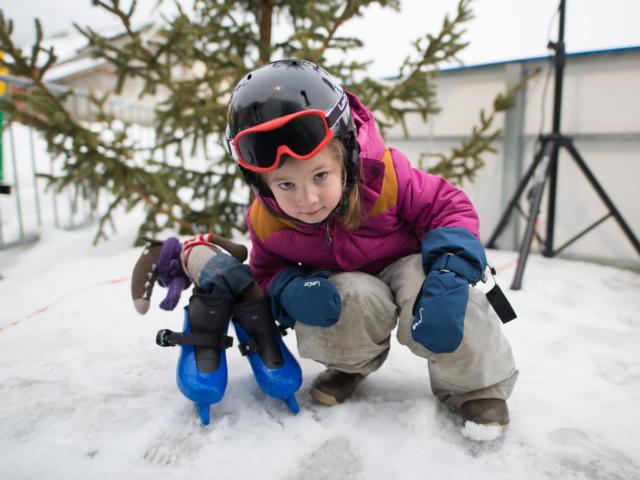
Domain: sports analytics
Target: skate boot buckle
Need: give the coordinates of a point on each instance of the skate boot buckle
(164, 338)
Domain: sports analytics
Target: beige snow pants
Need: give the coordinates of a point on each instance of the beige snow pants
(481, 367)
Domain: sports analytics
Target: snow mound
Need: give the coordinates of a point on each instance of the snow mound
(481, 433)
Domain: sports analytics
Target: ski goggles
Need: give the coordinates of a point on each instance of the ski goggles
(301, 135)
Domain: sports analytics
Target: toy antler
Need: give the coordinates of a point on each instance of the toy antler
(238, 251)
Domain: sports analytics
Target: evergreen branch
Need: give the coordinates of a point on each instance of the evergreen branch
(210, 50)
(157, 207)
(114, 7)
(442, 47)
(464, 161)
(90, 161)
(349, 10)
(19, 64)
(414, 90)
(107, 216)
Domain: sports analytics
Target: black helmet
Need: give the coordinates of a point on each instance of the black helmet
(282, 88)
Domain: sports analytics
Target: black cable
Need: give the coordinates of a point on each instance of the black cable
(543, 101)
(546, 80)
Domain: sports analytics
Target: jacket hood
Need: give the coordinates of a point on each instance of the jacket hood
(370, 141)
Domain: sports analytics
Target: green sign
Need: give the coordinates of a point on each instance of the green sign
(6, 189)
(1, 135)
(3, 188)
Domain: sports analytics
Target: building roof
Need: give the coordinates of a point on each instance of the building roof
(585, 53)
(74, 56)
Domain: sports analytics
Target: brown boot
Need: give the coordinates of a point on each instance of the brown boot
(486, 411)
(333, 386)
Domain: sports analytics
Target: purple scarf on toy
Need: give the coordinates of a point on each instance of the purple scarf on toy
(170, 273)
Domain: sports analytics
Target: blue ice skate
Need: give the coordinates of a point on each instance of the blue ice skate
(202, 366)
(276, 371)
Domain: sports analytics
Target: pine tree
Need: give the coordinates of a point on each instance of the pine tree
(219, 41)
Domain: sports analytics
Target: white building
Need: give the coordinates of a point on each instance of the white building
(600, 112)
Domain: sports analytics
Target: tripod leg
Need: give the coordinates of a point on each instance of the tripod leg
(516, 196)
(551, 206)
(537, 191)
(603, 195)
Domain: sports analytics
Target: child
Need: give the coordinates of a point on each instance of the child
(349, 241)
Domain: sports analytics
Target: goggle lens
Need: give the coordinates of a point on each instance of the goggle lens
(259, 148)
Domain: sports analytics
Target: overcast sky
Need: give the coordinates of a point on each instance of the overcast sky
(501, 29)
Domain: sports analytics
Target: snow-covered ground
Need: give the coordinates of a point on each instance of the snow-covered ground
(86, 393)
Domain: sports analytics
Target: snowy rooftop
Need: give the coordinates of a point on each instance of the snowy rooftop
(73, 68)
(70, 49)
(87, 394)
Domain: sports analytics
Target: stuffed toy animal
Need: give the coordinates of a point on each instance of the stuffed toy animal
(224, 291)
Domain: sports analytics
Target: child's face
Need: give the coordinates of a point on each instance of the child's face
(308, 190)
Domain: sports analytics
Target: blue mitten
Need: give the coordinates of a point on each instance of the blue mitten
(451, 258)
(311, 298)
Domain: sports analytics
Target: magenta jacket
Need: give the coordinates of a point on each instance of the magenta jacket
(402, 204)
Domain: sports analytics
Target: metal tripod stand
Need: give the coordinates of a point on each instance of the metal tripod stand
(545, 169)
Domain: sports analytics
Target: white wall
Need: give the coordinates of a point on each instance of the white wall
(601, 106)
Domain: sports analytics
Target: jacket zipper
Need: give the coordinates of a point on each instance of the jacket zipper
(327, 234)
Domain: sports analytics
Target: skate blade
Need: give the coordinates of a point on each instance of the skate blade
(203, 410)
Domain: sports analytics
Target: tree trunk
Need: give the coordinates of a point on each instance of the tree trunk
(266, 15)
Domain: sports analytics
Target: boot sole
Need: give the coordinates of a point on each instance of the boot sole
(323, 398)
(503, 428)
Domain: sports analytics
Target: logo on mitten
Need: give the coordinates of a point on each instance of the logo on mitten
(312, 283)
(417, 323)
